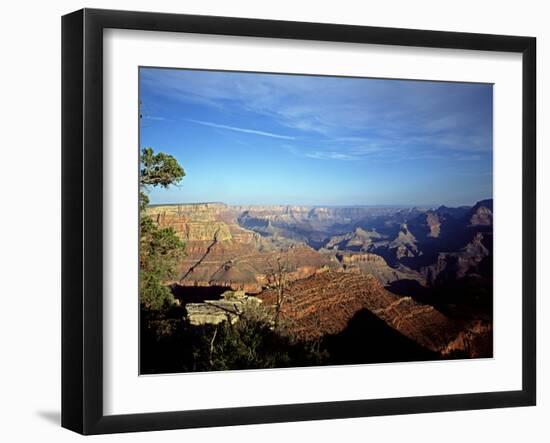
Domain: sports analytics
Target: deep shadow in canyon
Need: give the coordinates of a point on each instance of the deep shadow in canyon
(368, 339)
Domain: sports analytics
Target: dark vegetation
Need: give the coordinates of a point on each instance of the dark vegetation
(170, 344)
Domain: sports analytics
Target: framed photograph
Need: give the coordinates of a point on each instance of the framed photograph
(269, 221)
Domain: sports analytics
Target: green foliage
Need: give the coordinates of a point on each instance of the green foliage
(159, 169)
(246, 344)
(160, 248)
(143, 201)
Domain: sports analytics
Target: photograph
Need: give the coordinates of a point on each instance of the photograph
(246, 222)
(291, 220)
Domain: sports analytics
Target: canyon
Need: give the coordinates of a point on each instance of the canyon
(421, 277)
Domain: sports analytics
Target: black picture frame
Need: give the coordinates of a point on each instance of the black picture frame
(82, 232)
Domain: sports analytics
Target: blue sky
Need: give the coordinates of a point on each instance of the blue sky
(247, 138)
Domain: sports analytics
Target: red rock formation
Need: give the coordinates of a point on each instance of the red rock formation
(405, 244)
(482, 214)
(219, 252)
(325, 303)
(433, 223)
(375, 265)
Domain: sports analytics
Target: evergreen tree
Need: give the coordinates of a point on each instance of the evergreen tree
(160, 248)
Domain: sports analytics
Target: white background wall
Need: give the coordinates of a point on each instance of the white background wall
(30, 218)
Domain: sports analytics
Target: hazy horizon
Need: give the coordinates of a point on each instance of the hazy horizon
(265, 139)
(423, 206)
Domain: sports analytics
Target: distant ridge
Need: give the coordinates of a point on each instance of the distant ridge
(156, 205)
(257, 205)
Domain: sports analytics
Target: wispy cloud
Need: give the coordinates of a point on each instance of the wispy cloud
(155, 117)
(330, 155)
(245, 130)
(468, 157)
(353, 117)
(324, 153)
